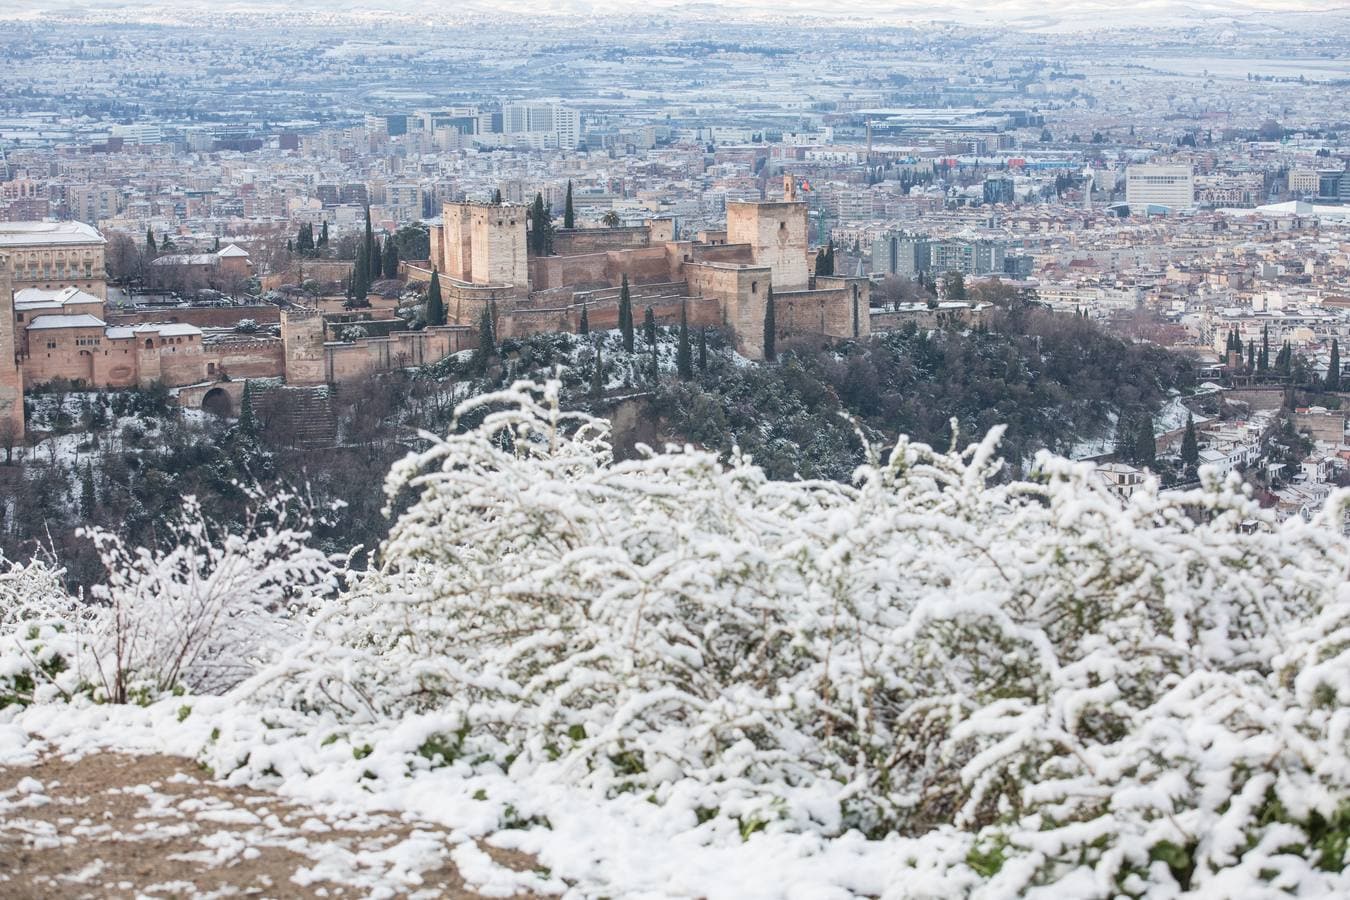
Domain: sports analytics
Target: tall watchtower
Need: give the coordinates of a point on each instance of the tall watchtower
(777, 235)
(484, 243)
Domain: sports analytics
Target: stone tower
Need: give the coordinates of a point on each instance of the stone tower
(777, 235)
(302, 341)
(484, 244)
(11, 378)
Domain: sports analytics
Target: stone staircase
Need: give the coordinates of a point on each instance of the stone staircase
(299, 417)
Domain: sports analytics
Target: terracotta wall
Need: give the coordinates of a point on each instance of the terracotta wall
(201, 316)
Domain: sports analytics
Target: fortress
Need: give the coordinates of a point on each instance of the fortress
(55, 325)
(479, 252)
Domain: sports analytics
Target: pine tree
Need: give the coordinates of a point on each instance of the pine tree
(598, 374)
(88, 495)
(248, 419)
(684, 361)
(584, 327)
(1190, 449)
(569, 215)
(1333, 381)
(626, 316)
(703, 349)
(435, 305)
(150, 242)
(770, 329)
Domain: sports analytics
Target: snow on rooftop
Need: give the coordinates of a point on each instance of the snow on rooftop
(24, 234)
(81, 321)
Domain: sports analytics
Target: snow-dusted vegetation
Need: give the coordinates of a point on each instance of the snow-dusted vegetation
(675, 675)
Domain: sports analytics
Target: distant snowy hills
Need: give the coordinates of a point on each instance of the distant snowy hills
(1025, 15)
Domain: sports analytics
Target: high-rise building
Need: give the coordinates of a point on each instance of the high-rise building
(898, 253)
(1172, 187)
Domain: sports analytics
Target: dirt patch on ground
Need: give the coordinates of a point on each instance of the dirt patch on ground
(112, 825)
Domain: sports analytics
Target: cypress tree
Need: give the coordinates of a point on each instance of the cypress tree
(248, 419)
(88, 496)
(487, 344)
(376, 259)
(435, 305)
(1333, 382)
(598, 374)
(497, 196)
(1251, 356)
(390, 258)
(150, 242)
(1287, 363)
(649, 327)
(1190, 449)
(585, 326)
(1263, 358)
(1146, 449)
(703, 349)
(684, 357)
(360, 283)
(323, 235)
(541, 227)
(770, 329)
(626, 316)
(656, 366)
(569, 215)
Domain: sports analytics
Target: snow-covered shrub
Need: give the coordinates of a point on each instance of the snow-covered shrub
(36, 646)
(202, 614)
(199, 616)
(1047, 685)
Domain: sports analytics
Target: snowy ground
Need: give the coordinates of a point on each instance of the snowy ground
(110, 824)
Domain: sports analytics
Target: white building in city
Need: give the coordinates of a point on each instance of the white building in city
(1169, 186)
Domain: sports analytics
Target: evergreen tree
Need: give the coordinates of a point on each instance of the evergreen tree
(1333, 380)
(323, 235)
(1251, 356)
(541, 227)
(390, 258)
(435, 305)
(703, 349)
(1146, 448)
(1190, 448)
(954, 286)
(376, 259)
(248, 418)
(649, 327)
(684, 357)
(656, 364)
(290, 247)
(150, 248)
(585, 325)
(598, 374)
(770, 329)
(1263, 358)
(497, 196)
(360, 280)
(626, 316)
(88, 496)
(1287, 363)
(569, 215)
(487, 343)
